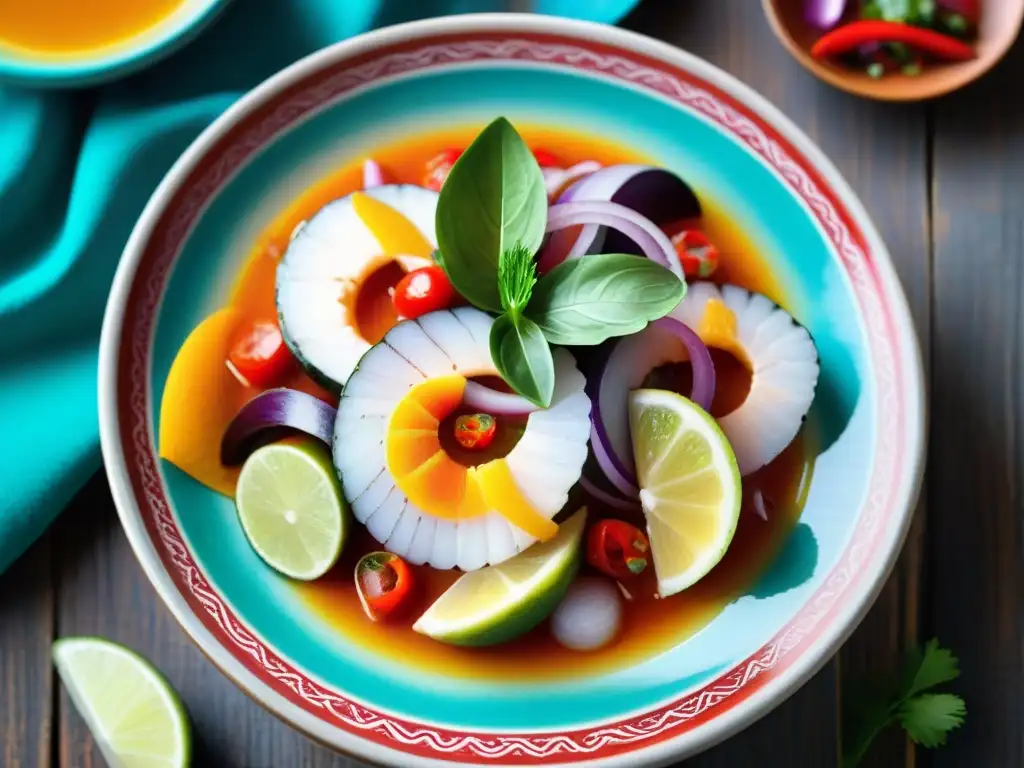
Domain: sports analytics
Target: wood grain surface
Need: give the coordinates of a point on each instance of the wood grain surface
(944, 183)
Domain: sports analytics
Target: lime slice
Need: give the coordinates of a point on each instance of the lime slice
(500, 602)
(290, 505)
(134, 714)
(689, 486)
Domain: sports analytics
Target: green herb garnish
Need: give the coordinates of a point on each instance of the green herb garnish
(908, 11)
(493, 199)
(523, 358)
(927, 718)
(491, 218)
(517, 274)
(586, 301)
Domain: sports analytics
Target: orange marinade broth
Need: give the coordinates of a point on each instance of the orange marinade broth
(56, 27)
(651, 625)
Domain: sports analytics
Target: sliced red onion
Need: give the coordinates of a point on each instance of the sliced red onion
(373, 176)
(617, 465)
(703, 391)
(597, 493)
(273, 415)
(653, 242)
(824, 14)
(488, 400)
(654, 193)
(558, 179)
(628, 363)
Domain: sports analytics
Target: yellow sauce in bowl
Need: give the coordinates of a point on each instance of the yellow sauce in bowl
(57, 28)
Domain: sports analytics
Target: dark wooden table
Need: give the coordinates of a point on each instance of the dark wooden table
(945, 185)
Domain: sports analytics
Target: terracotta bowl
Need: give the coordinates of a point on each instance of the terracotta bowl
(1000, 25)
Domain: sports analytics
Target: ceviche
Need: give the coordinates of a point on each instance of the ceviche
(503, 395)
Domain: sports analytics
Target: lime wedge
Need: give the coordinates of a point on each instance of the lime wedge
(134, 714)
(500, 602)
(689, 486)
(291, 508)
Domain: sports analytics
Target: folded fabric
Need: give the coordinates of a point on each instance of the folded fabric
(76, 169)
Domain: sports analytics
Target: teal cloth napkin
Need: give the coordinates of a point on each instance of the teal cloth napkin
(76, 170)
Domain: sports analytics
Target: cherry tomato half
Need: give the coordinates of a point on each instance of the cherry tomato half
(546, 159)
(618, 549)
(260, 357)
(697, 253)
(385, 585)
(423, 290)
(438, 168)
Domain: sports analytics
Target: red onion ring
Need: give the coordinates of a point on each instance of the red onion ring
(496, 403)
(373, 176)
(617, 473)
(272, 415)
(557, 179)
(612, 389)
(609, 500)
(652, 241)
(703, 390)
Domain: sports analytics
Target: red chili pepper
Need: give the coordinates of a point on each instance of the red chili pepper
(260, 357)
(438, 168)
(617, 549)
(385, 585)
(697, 253)
(475, 431)
(850, 37)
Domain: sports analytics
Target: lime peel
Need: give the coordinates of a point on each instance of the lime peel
(546, 568)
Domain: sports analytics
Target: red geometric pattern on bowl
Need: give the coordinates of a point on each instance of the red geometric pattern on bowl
(328, 84)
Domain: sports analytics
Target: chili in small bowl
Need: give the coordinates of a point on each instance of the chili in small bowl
(908, 51)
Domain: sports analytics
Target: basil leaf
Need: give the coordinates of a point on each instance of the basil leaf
(493, 198)
(523, 358)
(585, 301)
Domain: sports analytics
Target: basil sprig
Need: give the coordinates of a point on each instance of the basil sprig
(491, 217)
(493, 199)
(586, 301)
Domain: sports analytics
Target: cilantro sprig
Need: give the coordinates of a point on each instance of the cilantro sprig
(927, 717)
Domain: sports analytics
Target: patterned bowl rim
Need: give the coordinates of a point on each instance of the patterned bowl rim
(674, 729)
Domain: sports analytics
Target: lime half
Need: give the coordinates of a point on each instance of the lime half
(291, 508)
(134, 714)
(689, 486)
(500, 602)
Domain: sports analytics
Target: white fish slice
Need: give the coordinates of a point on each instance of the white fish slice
(422, 546)
(446, 546)
(411, 343)
(369, 501)
(545, 464)
(324, 263)
(477, 323)
(455, 340)
(472, 550)
(500, 544)
(785, 370)
(405, 529)
(383, 521)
